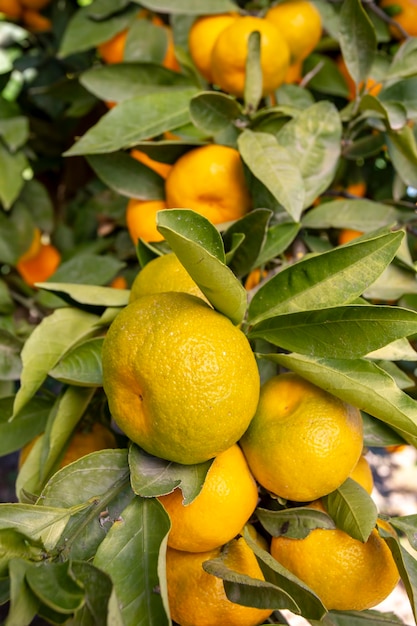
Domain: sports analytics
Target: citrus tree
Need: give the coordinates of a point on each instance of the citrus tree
(272, 169)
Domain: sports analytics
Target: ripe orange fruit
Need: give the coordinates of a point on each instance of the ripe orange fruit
(41, 266)
(221, 509)
(404, 12)
(83, 441)
(196, 597)
(346, 574)
(211, 181)
(302, 442)
(35, 21)
(348, 234)
(228, 58)
(159, 167)
(362, 473)
(299, 23)
(173, 367)
(11, 8)
(254, 278)
(141, 219)
(119, 282)
(165, 273)
(202, 37)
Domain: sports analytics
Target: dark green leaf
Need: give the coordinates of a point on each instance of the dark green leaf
(406, 524)
(357, 33)
(12, 166)
(364, 215)
(28, 423)
(81, 365)
(278, 238)
(145, 42)
(276, 167)
(325, 77)
(253, 227)
(295, 523)
(138, 118)
(53, 584)
(214, 112)
(345, 332)
(97, 587)
(402, 150)
(199, 247)
(14, 545)
(10, 364)
(352, 510)
(128, 176)
(132, 545)
(330, 279)
(376, 434)
(361, 383)
(152, 476)
(87, 268)
(23, 603)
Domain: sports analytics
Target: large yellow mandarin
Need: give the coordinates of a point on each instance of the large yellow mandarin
(181, 380)
(228, 58)
(346, 574)
(221, 509)
(211, 181)
(197, 598)
(165, 273)
(302, 442)
(299, 23)
(202, 37)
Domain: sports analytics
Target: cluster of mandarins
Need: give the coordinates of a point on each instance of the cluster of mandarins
(27, 12)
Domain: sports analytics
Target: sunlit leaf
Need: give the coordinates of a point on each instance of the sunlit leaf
(352, 509)
(81, 365)
(89, 294)
(357, 33)
(189, 6)
(295, 523)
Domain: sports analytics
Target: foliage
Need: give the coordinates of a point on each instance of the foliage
(75, 545)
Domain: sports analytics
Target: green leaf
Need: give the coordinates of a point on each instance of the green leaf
(309, 603)
(152, 476)
(402, 149)
(23, 603)
(314, 138)
(253, 73)
(92, 295)
(121, 81)
(81, 365)
(394, 113)
(359, 618)
(361, 383)
(37, 201)
(12, 166)
(403, 64)
(330, 279)
(199, 248)
(145, 42)
(406, 524)
(278, 238)
(10, 364)
(189, 7)
(364, 215)
(28, 423)
(44, 524)
(357, 33)
(352, 510)
(392, 284)
(132, 545)
(295, 523)
(276, 167)
(325, 77)
(100, 481)
(377, 434)
(48, 342)
(399, 350)
(13, 545)
(127, 176)
(138, 118)
(53, 584)
(83, 33)
(253, 227)
(345, 332)
(87, 268)
(14, 131)
(401, 91)
(97, 588)
(214, 112)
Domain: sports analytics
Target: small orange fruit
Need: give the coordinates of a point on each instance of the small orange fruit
(141, 219)
(348, 234)
(119, 282)
(35, 21)
(40, 267)
(202, 37)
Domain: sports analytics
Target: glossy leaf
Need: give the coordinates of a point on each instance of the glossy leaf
(352, 509)
(81, 365)
(38, 524)
(87, 268)
(361, 383)
(364, 215)
(313, 138)
(51, 339)
(132, 545)
(402, 149)
(253, 227)
(332, 278)
(357, 33)
(140, 117)
(97, 589)
(28, 423)
(89, 294)
(128, 176)
(189, 6)
(295, 523)
(276, 167)
(278, 238)
(152, 476)
(345, 332)
(53, 584)
(214, 112)
(199, 248)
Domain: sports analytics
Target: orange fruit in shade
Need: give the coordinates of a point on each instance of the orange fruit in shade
(362, 473)
(299, 23)
(202, 37)
(302, 442)
(159, 167)
(254, 278)
(404, 12)
(197, 597)
(141, 219)
(82, 442)
(35, 21)
(119, 282)
(372, 85)
(11, 8)
(221, 509)
(348, 234)
(346, 574)
(211, 181)
(40, 267)
(112, 51)
(228, 58)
